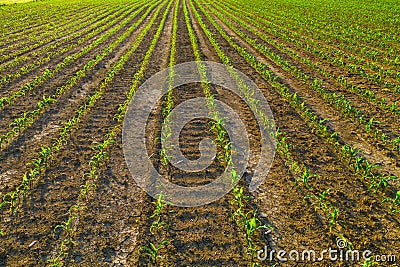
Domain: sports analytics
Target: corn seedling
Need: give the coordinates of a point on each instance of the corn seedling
(157, 214)
(379, 182)
(322, 203)
(370, 263)
(153, 250)
(395, 203)
(306, 176)
(333, 218)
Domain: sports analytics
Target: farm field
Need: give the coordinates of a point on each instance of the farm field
(329, 71)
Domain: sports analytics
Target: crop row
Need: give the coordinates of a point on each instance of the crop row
(160, 224)
(49, 73)
(319, 198)
(52, 51)
(245, 220)
(33, 41)
(21, 123)
(348, 38)
(244, 215)
(40, 163)
(253, 25)
(98, 160)
(336, 100)
(350, 155)
(169, 102)
(283, 146)
(18, 28)
(368, 69)
(39, 16)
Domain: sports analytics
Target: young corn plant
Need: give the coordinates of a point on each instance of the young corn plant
(332, 212)
(370, 263)
(252, 224)
(68, 226)
(380, 182)
(367, 169)
(307, 176)
(249, 220)
(153, 249)
(49, 73)
(321, 200)
(333, 216)
(395, 203)
(96, 161)
(157, 214)
(370, 123)
(341, 101)
(89, 102)
(396, 143)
